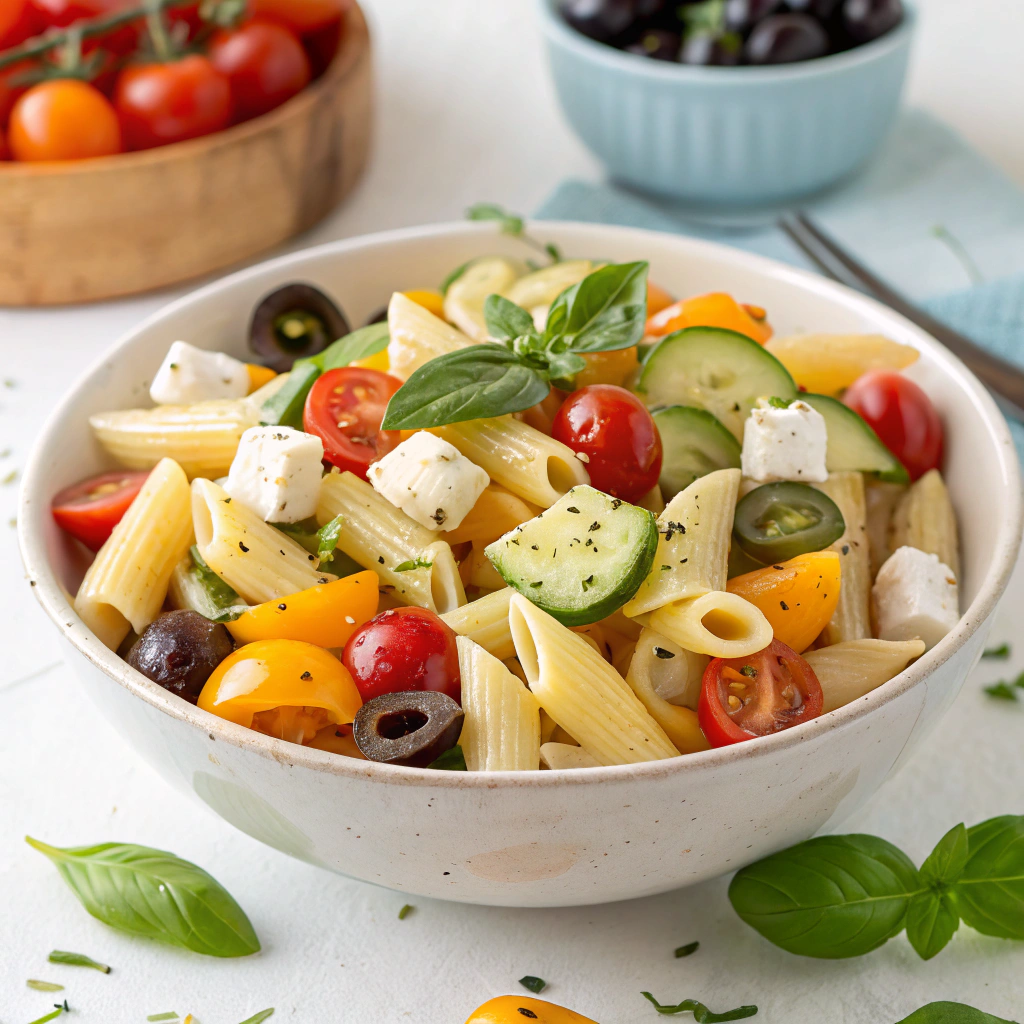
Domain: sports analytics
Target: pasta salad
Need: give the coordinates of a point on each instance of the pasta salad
(544, 518)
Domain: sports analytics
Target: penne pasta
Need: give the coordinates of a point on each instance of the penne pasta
(850, 670)
(417, 336)
(880, 501)
(201, 438)
(466, 295)
(126, 584)
(502, 725)
(476, 570)
(485, 622)
(695, 532)
(825, 364)
(718, 624)
(496, 512)
(543, 286)
(532, 465)
(559, 756)
(582, 692)
(254, 558)
(379, 536)
(924, 519)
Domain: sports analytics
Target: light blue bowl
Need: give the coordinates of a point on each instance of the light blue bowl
(728, 136)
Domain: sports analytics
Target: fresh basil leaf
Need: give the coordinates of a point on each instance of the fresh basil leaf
(412, 564)
(565, 365)
(946, 863)
(952, 1013)
(831, 897)
(52, 1015)
(932, 920)
(361, 344)
(553, 251)
(1000, 653)
(454, 276)
(60, 956)
(510, 224)
(1001, 691)
(154, 894)
(327, 539)
(284, 407)
(606, 310)
(205, 592)
(990, 891)
(701, 1014)
(505, 320)
(452, 760)
(468, 384)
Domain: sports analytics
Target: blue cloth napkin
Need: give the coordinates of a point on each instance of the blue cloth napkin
(931, 216)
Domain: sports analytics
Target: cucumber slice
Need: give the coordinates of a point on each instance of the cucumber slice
(714, 369)
(582, 559)
(853, 445)
(694, 444)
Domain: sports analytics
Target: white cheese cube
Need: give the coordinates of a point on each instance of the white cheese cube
(915, 595)
(277, 472)
(785, 444)
(189, 374)
(430, 480)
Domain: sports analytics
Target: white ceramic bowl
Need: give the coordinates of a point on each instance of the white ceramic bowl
(539, 838)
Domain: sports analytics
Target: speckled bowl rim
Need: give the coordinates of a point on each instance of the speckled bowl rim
(559, 31)
(51, 596)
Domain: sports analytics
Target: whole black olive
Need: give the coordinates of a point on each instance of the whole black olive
(179, 651)
(658, 44)
(784, 39)
(865, 20)
(705, 50)
(292, 323)
(820, 9)
(413, 728)
(602, 20)
(740, 15)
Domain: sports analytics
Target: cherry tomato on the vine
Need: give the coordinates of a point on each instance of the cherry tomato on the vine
(301, 15)
(902, 415)
(742, 698)
(61, 13)
(344, 409)
(404, 649)
(612, 428)
(3, 146)
(90, 510)
(170, 102)
(18, 22)
(265, 63)
(63, 120)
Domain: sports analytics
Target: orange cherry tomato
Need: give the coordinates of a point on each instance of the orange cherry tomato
(513, 1009)
(713, 310)
(163, 103)
(301, 15)
(657, 299)
(63, 120)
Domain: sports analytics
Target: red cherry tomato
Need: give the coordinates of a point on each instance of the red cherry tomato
(163, 103)
(301, 15)
(18, 22)
(61, 13)
(743, 698)
(616, 433)
(265, 63)
(89, 511)
(902, 415)
(344, 409)
(3, 146)
(63, 120)
(404, 649)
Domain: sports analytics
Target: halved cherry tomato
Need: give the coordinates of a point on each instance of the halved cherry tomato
(163, 103)
(902, 415)
(344, 409)
(265, 63)
(513, 1009)
(716, 309)
(301, 15)
(613, 430)
(89, 511)
(743, 698)
(63, 120)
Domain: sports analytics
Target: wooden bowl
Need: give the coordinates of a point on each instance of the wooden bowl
(96, 229)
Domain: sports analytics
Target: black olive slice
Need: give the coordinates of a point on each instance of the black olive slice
(294, 322)
(179, 651)
(413, 728)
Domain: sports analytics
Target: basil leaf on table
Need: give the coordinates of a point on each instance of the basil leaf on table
(990, 892)
(154, 894)
(510, 224)
(701, 1014)
(831, 897)
(932, 920)
(505, 320)
(946, 863)
(606, 310)
(471, 383)
(952, 1013)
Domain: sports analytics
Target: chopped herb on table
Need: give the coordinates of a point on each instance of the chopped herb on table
(44, 986)
(405, 911)
(1004, 690)
(700, 1012)
(534, 984)
(156, 1017)
(688, 950)
(59, 956)
(258, 1018)
(1000, 653)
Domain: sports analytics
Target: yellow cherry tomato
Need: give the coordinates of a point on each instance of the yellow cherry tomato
(430, 300)
(337, 739)
(258, 376)
(713, 310)
(509, 1010)
(657, 299)
(325, 615)
(378, 361)
(284, 688)
(797, 597)
(616, 367)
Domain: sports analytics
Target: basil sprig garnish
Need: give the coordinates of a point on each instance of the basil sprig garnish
(843, 896)
(701, 1014)
(148, 892)
(952, 1013)
(603, 312)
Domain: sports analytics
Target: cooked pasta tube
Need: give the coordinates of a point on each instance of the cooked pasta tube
(126, 584)
(825, 364)
(496, 512)
(466, 295)
(543, 286)
(379, 536)
(530, 464)
(924, 519)
(485, 622)
(718, 624)
(476, 570)
(201, 438)
(417, 336)
(880, 501)
(258, 561)
(502, 725)
(582, 692)
(852, 617)
(850, 670)
(694, 535)
(558, 756)
(667, 680)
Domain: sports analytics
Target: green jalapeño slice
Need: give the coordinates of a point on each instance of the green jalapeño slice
(776, 522)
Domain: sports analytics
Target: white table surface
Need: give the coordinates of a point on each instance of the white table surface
(466, 113)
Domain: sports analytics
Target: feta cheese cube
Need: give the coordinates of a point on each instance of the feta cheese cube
(915, 595)
(189, 374)
(430, 480)
(785, 443)
(277, 472)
